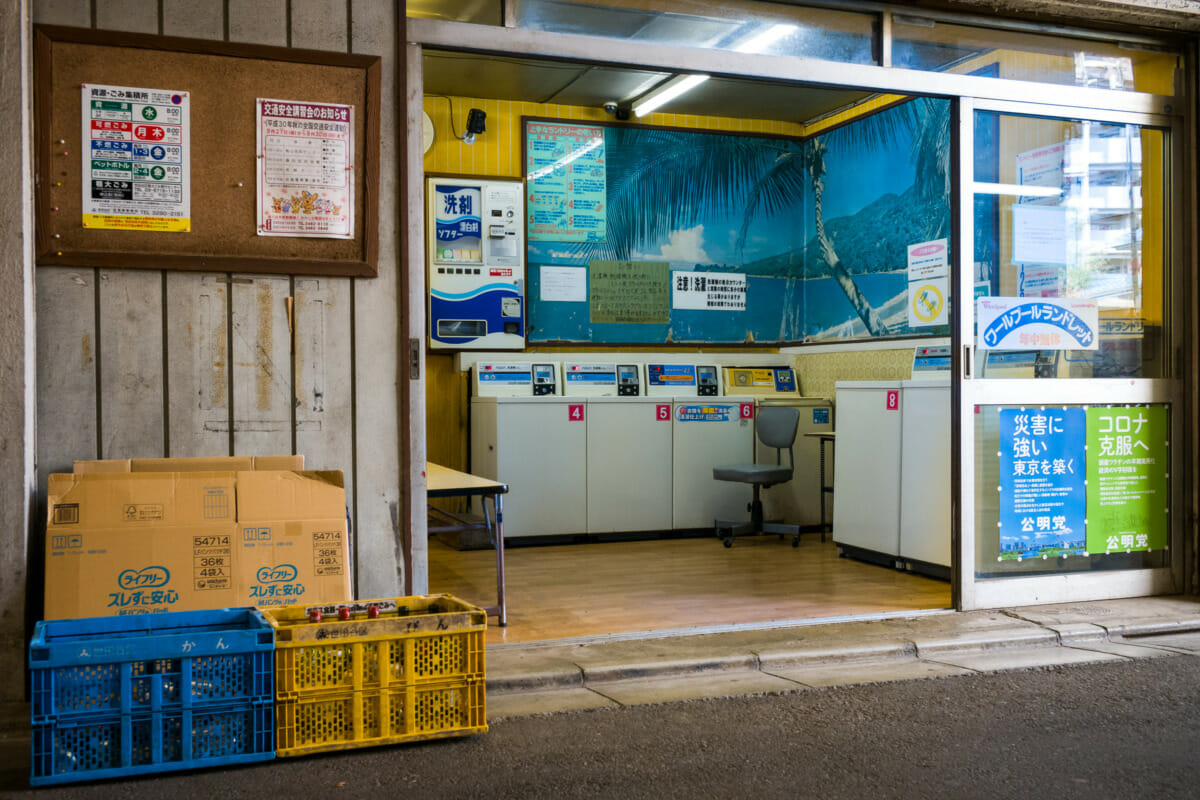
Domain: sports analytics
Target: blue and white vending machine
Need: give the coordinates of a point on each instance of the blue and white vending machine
(476, 264)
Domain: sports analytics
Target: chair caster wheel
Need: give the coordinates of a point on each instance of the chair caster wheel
(727, 542)
(796, 542)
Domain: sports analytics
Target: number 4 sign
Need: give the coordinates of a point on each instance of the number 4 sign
(575, 412)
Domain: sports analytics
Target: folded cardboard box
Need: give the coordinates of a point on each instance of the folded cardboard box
(212, 464)
(142, 542)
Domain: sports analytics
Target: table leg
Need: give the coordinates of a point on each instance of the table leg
(498, 506)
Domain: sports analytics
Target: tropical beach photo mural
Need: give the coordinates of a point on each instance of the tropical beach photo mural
(654, 235)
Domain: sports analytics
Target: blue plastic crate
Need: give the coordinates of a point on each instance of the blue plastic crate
(116, 696)
(120, 745)
(149, 662)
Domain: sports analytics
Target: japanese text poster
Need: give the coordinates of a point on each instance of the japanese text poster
(1128, 463)
(565, 182)
(1042, 493)
(136, 174)
(305, 169)
(458, 223)
(708, 291)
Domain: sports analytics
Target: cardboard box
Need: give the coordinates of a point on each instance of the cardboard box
(143, 542)
(214, 464)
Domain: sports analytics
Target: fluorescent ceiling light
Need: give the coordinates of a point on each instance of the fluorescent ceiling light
(667, 92)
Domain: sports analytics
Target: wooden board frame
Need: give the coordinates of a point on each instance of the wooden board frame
(224, 236)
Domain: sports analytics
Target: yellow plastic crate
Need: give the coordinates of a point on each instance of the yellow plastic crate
(414, 672)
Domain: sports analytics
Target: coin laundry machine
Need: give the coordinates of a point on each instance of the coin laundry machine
(708, 429)
(526, 434)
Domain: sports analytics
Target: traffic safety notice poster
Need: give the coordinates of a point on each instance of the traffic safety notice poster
(136, 172)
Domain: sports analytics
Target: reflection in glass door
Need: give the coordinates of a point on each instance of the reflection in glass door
(1066, 395)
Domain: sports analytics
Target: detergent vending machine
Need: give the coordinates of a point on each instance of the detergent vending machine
(476, 255)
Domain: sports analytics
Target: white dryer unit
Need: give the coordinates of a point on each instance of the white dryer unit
(629, 475)
(708, 430)
(866, 478)
(925, 475)
(535, 444)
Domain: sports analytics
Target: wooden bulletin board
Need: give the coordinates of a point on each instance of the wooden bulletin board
(223, 81)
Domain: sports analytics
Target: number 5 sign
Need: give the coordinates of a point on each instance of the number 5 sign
(662, 412)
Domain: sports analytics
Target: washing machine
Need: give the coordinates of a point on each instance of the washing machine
(526, 434)
(629, 455)
(797, 502)
(708, 430)
(925, 463)
(866, 475)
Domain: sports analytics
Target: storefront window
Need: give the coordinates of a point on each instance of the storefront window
(1070, 248)
(1067, 489)
(748, 27)
(925, 44)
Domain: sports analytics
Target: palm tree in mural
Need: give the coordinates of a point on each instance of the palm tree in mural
(664, 180)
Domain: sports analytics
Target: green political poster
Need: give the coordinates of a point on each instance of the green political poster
(1127, 466)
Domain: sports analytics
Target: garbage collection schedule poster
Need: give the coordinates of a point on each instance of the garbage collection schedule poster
(136, 171)
(1128, 466)
(1042, 491)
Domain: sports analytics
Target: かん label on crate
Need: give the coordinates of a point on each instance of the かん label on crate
(212, 562)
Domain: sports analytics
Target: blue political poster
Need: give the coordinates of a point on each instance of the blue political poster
(1043, 498)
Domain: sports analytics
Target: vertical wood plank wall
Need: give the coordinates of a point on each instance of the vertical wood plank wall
(143, 363)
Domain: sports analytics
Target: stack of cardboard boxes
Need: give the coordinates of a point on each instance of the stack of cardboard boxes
(149, 535)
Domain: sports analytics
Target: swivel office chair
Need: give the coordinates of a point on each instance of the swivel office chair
(776, 426)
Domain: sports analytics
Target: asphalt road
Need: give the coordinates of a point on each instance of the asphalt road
(1126, 730)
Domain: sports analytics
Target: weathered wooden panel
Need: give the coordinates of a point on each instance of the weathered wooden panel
(195, 19)
(135, 16)
(198, 364)
(379, 526)
(262, 367)
(66, 369)
(321, 24)
(258, 22)
(324, 376)
(132, 423)
(77, 13)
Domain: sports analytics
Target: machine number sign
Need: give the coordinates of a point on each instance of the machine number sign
(893, 400)
(662, 412)
(575, 412)
(747, 410)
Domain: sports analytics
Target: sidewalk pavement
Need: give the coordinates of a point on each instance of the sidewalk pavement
(569, 675)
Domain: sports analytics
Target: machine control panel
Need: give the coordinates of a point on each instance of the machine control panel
(502, 380)
(544, 380)
(629, 380)
(708, 384)
(931, 362)
(670, 380)
(589, 380)
(760, 381)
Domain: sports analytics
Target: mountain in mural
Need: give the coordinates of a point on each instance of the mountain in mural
(875, 239)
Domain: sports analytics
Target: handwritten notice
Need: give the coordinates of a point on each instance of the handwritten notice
(629, 291)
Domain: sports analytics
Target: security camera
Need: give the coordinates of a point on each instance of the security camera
(610, 107)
